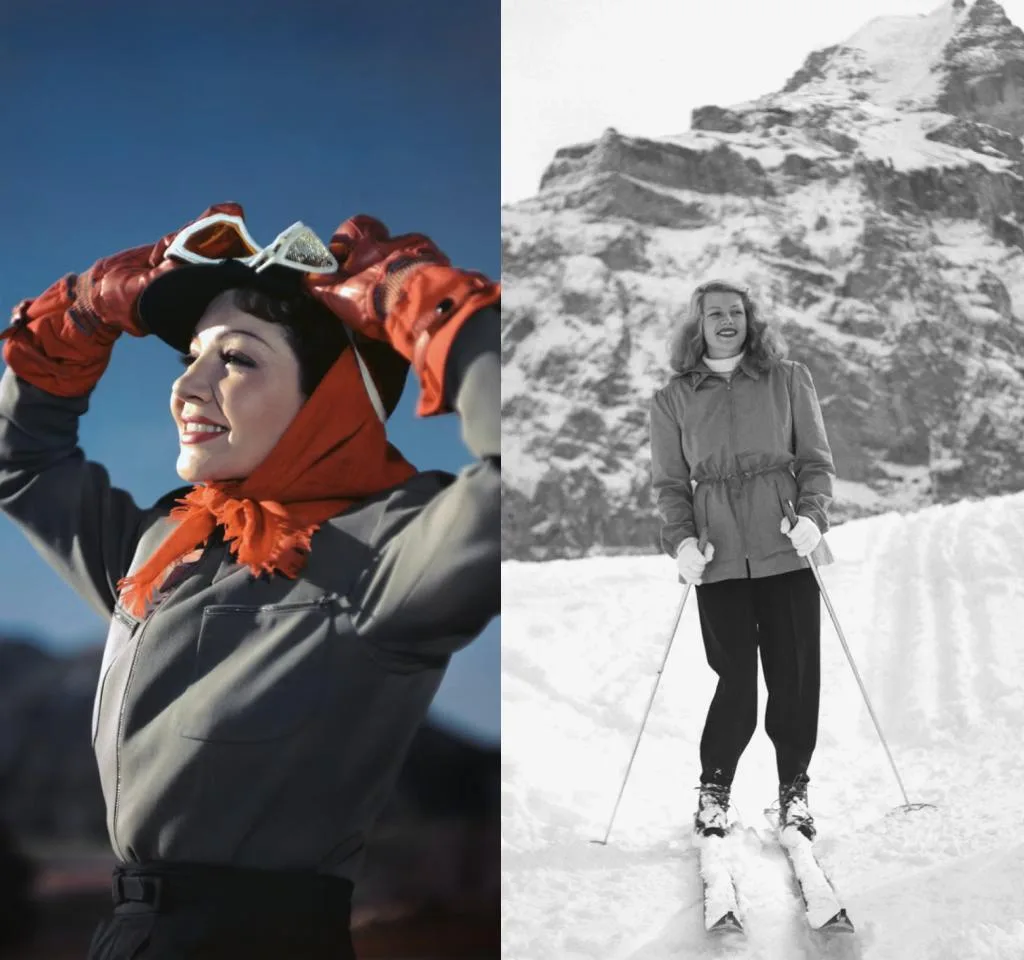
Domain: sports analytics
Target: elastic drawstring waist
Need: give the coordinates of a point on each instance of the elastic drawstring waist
(744, 475)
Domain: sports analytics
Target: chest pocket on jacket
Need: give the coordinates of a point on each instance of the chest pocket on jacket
(260, 672)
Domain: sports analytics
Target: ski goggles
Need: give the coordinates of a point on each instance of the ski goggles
(225, 234)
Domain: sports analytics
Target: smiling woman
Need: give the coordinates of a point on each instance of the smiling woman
(736, 437)
(279, 627)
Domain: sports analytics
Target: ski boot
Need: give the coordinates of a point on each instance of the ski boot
(793, 808)
(711, 819)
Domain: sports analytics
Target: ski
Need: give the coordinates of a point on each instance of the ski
(721, 911)
(823, 909)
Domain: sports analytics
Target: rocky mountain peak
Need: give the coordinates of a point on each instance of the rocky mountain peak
(983, 69)
(875, 206)
(891, 60)
(960, 59)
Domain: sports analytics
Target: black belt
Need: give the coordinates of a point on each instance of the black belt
(165, 886)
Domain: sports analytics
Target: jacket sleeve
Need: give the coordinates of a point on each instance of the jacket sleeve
(82, 526)
(435, 584)
(813, 466)
(670, 477)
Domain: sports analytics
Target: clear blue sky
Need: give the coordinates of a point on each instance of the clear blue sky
(124, 120)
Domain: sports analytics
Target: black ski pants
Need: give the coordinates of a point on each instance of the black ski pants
(780, 616)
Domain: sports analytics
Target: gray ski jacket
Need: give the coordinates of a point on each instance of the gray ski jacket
(261, 722)
(727, 452)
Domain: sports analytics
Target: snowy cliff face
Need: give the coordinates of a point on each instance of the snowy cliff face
(876, 207)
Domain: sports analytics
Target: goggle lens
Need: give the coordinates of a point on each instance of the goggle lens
(300, 248)
(218, 241)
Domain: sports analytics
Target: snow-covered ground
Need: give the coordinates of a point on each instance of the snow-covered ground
(932, 605)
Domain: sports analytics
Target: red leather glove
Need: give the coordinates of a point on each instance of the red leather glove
(371, 266)
(404, 291)
(61, 341)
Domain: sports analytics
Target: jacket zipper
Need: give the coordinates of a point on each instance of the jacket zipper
(114, 839)
(732, 437)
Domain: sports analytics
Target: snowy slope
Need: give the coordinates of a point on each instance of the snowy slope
(900, 53)
(931, 604)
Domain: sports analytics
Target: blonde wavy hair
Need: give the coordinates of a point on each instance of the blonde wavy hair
(764, 345)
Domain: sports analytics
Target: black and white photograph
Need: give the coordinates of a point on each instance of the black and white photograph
(763, 461)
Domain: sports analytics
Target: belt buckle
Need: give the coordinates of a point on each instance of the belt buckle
(135, 889)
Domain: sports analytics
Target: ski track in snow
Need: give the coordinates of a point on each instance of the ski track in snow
(931, 604)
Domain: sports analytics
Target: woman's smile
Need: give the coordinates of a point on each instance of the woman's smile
(200, 430)
(200, 435)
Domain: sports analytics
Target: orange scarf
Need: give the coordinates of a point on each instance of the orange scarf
(333, 454)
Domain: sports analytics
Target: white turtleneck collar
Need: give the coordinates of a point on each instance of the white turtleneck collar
(724, 366)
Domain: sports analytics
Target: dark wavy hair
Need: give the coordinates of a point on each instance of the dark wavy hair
(764, 345)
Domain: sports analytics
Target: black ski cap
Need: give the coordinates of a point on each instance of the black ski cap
(172, 304)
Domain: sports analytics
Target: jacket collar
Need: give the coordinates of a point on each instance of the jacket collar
(700, 371)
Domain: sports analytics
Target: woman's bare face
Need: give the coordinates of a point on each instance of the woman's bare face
(724, 324)
(237, 396)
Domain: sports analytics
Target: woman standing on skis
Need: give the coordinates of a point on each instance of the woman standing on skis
(277, 637)
(736, 435)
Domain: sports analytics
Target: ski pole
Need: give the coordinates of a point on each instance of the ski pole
(702, 543)
(792, 517)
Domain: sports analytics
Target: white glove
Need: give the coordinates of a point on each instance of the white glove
(690, 562)
(805, 536)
